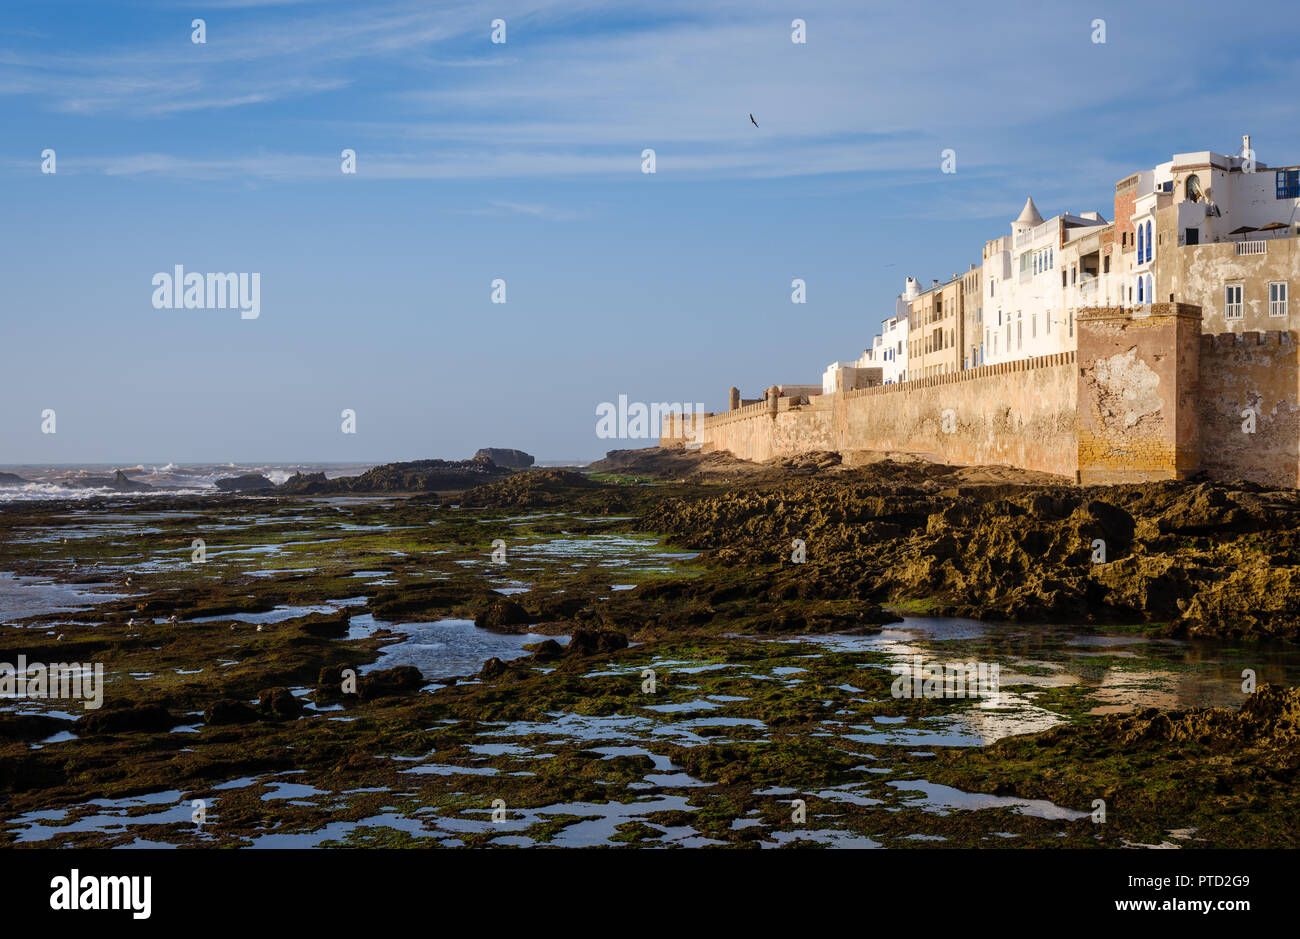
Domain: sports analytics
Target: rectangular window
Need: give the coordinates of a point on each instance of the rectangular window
(1020, 335)
(1106, 264)
(1033, 326)
(1277, 298)
(1232, 306)
(1288, 184)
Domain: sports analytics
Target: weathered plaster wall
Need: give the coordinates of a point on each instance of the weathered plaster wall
(1019, 413)
(1249, 413)
(1146, 397)
(1198, 275)
(1138, 378)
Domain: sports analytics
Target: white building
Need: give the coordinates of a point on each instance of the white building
(889, 350)
(1029, 303)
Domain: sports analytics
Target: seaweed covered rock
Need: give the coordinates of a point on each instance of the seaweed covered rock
(150, 718)
(279, 703)
(326, 625)
(394, 603)
(228, 711)
(502, 614)
(400, 680)
(29, 726)
(546, 650)
(532, 489)
(586, 642)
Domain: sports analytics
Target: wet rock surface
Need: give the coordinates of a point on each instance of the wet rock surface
(722, 647)
(505, 456)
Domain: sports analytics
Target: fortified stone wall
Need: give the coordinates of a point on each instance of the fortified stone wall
(1138, 373)
(1146, 397)
(1019, 413)
(1249, 413)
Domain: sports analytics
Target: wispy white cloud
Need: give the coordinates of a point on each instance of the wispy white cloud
(582, 88)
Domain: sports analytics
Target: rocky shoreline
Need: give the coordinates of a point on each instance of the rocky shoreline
(738, 588)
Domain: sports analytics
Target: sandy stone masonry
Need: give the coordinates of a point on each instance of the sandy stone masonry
(1146, 396)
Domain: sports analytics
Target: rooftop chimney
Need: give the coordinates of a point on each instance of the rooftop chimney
(1245, 145)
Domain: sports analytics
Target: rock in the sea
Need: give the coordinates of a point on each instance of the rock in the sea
(501, 456)
(148, 717)
(330, 680)
(119, 481)
(326, 625)
(545, 650)
(492, 668)
(400, 680)
(501, 614)
(413, 476)
(249, 482)
(29, 726)
(227, 711)
(278, 703)
(595, 641)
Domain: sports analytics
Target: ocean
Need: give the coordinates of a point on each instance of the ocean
(67, 481)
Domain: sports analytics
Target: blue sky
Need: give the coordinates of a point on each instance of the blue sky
(523, 161)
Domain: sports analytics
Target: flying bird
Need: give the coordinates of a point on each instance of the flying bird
(752, 121)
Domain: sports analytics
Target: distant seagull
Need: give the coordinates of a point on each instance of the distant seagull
(752, 121)
(59, 637)
(128, 581)
(259, 627)
(173, 619)
(130, 622)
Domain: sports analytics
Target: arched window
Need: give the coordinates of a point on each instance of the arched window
(1140, 299)
(1193, 188)
(1148, 242)
(1151, 292)
(1139, 258)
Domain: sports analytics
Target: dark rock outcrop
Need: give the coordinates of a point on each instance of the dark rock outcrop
(326, 625)
(533, 489)
(227, 711)
(595, 642)
(148, 717)
(414, 476)
(546, 650)
(249, 482)
(393, 681)
(118, 481)
(29, 726)
(278, 703)
(502, 614)
(514, 459)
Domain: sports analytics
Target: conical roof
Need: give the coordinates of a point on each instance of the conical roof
(1029, 214)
